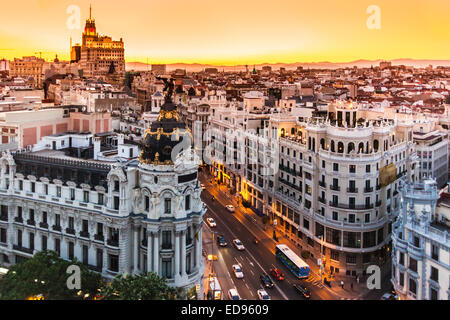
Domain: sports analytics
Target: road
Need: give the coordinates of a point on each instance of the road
(256, 259)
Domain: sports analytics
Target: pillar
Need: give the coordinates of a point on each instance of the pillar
(183, 253)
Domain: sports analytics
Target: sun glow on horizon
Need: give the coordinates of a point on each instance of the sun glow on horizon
(217, 33)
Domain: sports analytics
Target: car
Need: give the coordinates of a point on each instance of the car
(221, 241)
(263, 295)
(238, 271)
(212, 257)
(238, 244)
(277, 274)
(233, 294)
(389, 296)
(202, 186)
(211, 222)
(266, 281)
(230, 208)
(302, 290)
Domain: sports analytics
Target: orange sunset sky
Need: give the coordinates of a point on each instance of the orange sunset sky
(234, 31)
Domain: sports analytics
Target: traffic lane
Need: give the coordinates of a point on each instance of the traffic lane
(251, 283)
(222, 216)
(267, 257)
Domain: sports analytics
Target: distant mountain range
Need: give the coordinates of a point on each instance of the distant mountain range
(196, 67)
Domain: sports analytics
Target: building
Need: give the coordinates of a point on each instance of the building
(338, 186)
(132, 216)
(421, 243)
(432, 151)
(28, 68)
(100, 55)
(159, 69)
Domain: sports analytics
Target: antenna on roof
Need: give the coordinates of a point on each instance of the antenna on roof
(90, 11)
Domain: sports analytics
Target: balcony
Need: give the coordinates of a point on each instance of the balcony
(368, 189)
(378, 203)
(31, 222)
(43, 225)
(18, 219)
(113, 242)
(99, 237)
(144, 242)
(352, 190)
(84, 234)
(322, 200)
(351, 206)
(70, 231)
(166, 246)
(22, 249)
(335, 188)
(4, 218)
(57, 228)
(322, 184)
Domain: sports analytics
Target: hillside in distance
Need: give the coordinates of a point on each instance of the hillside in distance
(197, 67)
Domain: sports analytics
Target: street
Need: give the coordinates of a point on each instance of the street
(256, 259)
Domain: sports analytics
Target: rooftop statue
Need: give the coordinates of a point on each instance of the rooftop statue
(169, 88)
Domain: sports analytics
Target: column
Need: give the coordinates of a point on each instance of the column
(198, 246)
(136, 250)
(149, 251)
(156, 252)
(177, 253)
(183, 253)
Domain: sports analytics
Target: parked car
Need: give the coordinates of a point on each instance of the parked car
(221, 241)
(233, 294)
(230, 208)
(263, 295)
(211, 222)
(238, 244)
(277, 274)
(266, 281)
(389, 296)
(302, 290)
(238, 271)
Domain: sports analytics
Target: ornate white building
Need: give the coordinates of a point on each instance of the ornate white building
(137, 216)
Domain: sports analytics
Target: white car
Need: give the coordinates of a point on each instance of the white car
(238, 244)
(263, 295)
(202, 186)
(238, 271)
(233, 294)
(211, 222)
(230, 208)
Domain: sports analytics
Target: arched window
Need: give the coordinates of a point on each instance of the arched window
(376, 145)
(361, 147)
(332, 146)
(283, 132)
(322, 143)
(350, 147)
(293, 131)
(340, 147)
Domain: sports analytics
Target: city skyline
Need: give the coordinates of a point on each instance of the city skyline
(191, 32)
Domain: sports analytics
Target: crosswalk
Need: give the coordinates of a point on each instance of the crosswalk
(314, 281)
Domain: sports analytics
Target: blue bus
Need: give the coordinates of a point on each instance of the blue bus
(293, 262)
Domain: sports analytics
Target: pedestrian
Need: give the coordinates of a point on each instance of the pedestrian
(342, 284)
(357, 279)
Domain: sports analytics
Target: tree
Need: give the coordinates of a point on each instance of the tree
(140, 287)
(46, 274)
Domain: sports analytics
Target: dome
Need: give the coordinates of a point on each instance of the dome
(163, 135)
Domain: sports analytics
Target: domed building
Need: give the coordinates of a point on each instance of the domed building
(135, 216)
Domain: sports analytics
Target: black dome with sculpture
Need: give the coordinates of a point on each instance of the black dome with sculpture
(165, 133)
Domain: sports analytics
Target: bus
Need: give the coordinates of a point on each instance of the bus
(293, 262)
(215, 291)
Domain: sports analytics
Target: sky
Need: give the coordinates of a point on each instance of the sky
(233, 31)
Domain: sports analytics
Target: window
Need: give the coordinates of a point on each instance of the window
(352, 168)
(413, 264)
(335, 167)
(72, 194)
(71, 223)
(166, 266)
(401, 279)
(434, 274)
(433, 294)
(367, 218)
(368, 168)
(99, 257)
(100, 199)
(113, 263)
(167, 206)
(3, 235)
(71, 250)
(44, 217)
(58, 246)
(58, 191)
(335, 216)
(20, 185)
(166, 239)
(350, 259)
(412, 286)
(351, 218)
(57, 220)
(85, 255)
(334, 255)
(45, 189)
(19, 238)
(44, 243)
(86, 196)
(187, 202)
(401, 258)
(435, 252)
(33, 187)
